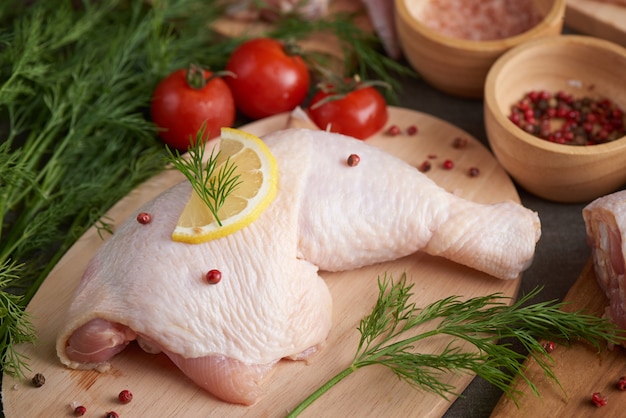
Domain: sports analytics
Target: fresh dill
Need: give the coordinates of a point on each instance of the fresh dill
(212, 186)
(74, 133)
(387, 338)
(15, 327)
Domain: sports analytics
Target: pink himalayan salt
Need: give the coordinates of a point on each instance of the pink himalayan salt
(480, 20)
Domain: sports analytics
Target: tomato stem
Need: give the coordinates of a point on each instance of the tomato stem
(198, 76)
(337, 87)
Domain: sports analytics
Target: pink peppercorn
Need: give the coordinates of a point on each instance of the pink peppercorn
(144, 218)
(459, 142)
(213, 276)
(598, 400)
(79, 411)
(411, 130)
(621, 383)
(353, 160)
(125, 396)
(425, 166)
(112, 414)
(393, 130)
(448, 164)
(549, 346)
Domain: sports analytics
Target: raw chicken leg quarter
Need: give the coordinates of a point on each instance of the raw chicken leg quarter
(141, 285)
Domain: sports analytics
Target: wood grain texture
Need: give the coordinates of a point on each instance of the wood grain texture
(161, 390)
(580, 369)
(597, 18)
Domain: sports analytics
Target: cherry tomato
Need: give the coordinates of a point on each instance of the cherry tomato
(359, 113)
(268, 79)
(186, 100)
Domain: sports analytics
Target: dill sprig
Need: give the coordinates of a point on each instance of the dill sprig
(213, 186)
(16, 327)
(390, 337)
(74, 133)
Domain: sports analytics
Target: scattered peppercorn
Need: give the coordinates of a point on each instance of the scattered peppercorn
(459, 142)
(393, 130)
(144, 218)
(621, 383)
(563, 119)
(79, 411)
(38, 380)
(473, 171)
(112, 414)
(214, 276)
(425, 166)
(411, 130)
(549, 346)
(448, 164)
(125, 396)
(598, 400)
(353, 160)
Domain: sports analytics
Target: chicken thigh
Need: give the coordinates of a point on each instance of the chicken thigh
(271, 303)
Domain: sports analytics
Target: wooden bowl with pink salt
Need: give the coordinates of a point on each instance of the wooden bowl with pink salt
(555, 115)
(452, 44)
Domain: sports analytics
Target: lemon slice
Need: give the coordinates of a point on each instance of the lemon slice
(258, 177)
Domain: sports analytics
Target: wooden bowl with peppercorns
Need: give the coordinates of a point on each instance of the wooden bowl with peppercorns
(554, 115)
(453, 43)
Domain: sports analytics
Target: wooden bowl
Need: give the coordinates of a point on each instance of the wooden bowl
(579, 65)
(459, 66)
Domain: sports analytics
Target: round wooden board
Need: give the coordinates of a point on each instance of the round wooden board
(160, 389)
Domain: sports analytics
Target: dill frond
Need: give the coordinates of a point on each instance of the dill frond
(74, 132)
(387, 340)
(212, 186)
(15, 324)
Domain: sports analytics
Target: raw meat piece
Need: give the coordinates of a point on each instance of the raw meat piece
(380, 13)
(272, 9)
(271, 303)
(605, 222)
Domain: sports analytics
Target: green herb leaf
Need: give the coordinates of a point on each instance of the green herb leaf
(15, 325)
(212, 186)
(390, 337)
(74, 133)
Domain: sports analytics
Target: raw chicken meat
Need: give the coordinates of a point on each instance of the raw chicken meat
(605, 222)
(272, 9)
(271, 303)
(380, 13)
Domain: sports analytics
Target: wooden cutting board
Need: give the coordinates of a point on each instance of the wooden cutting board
(161, 390)
(580, 369)
(596, 18)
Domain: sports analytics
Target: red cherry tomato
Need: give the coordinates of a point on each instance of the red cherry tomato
(188, 99)
(360, 113)
(268, 79)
